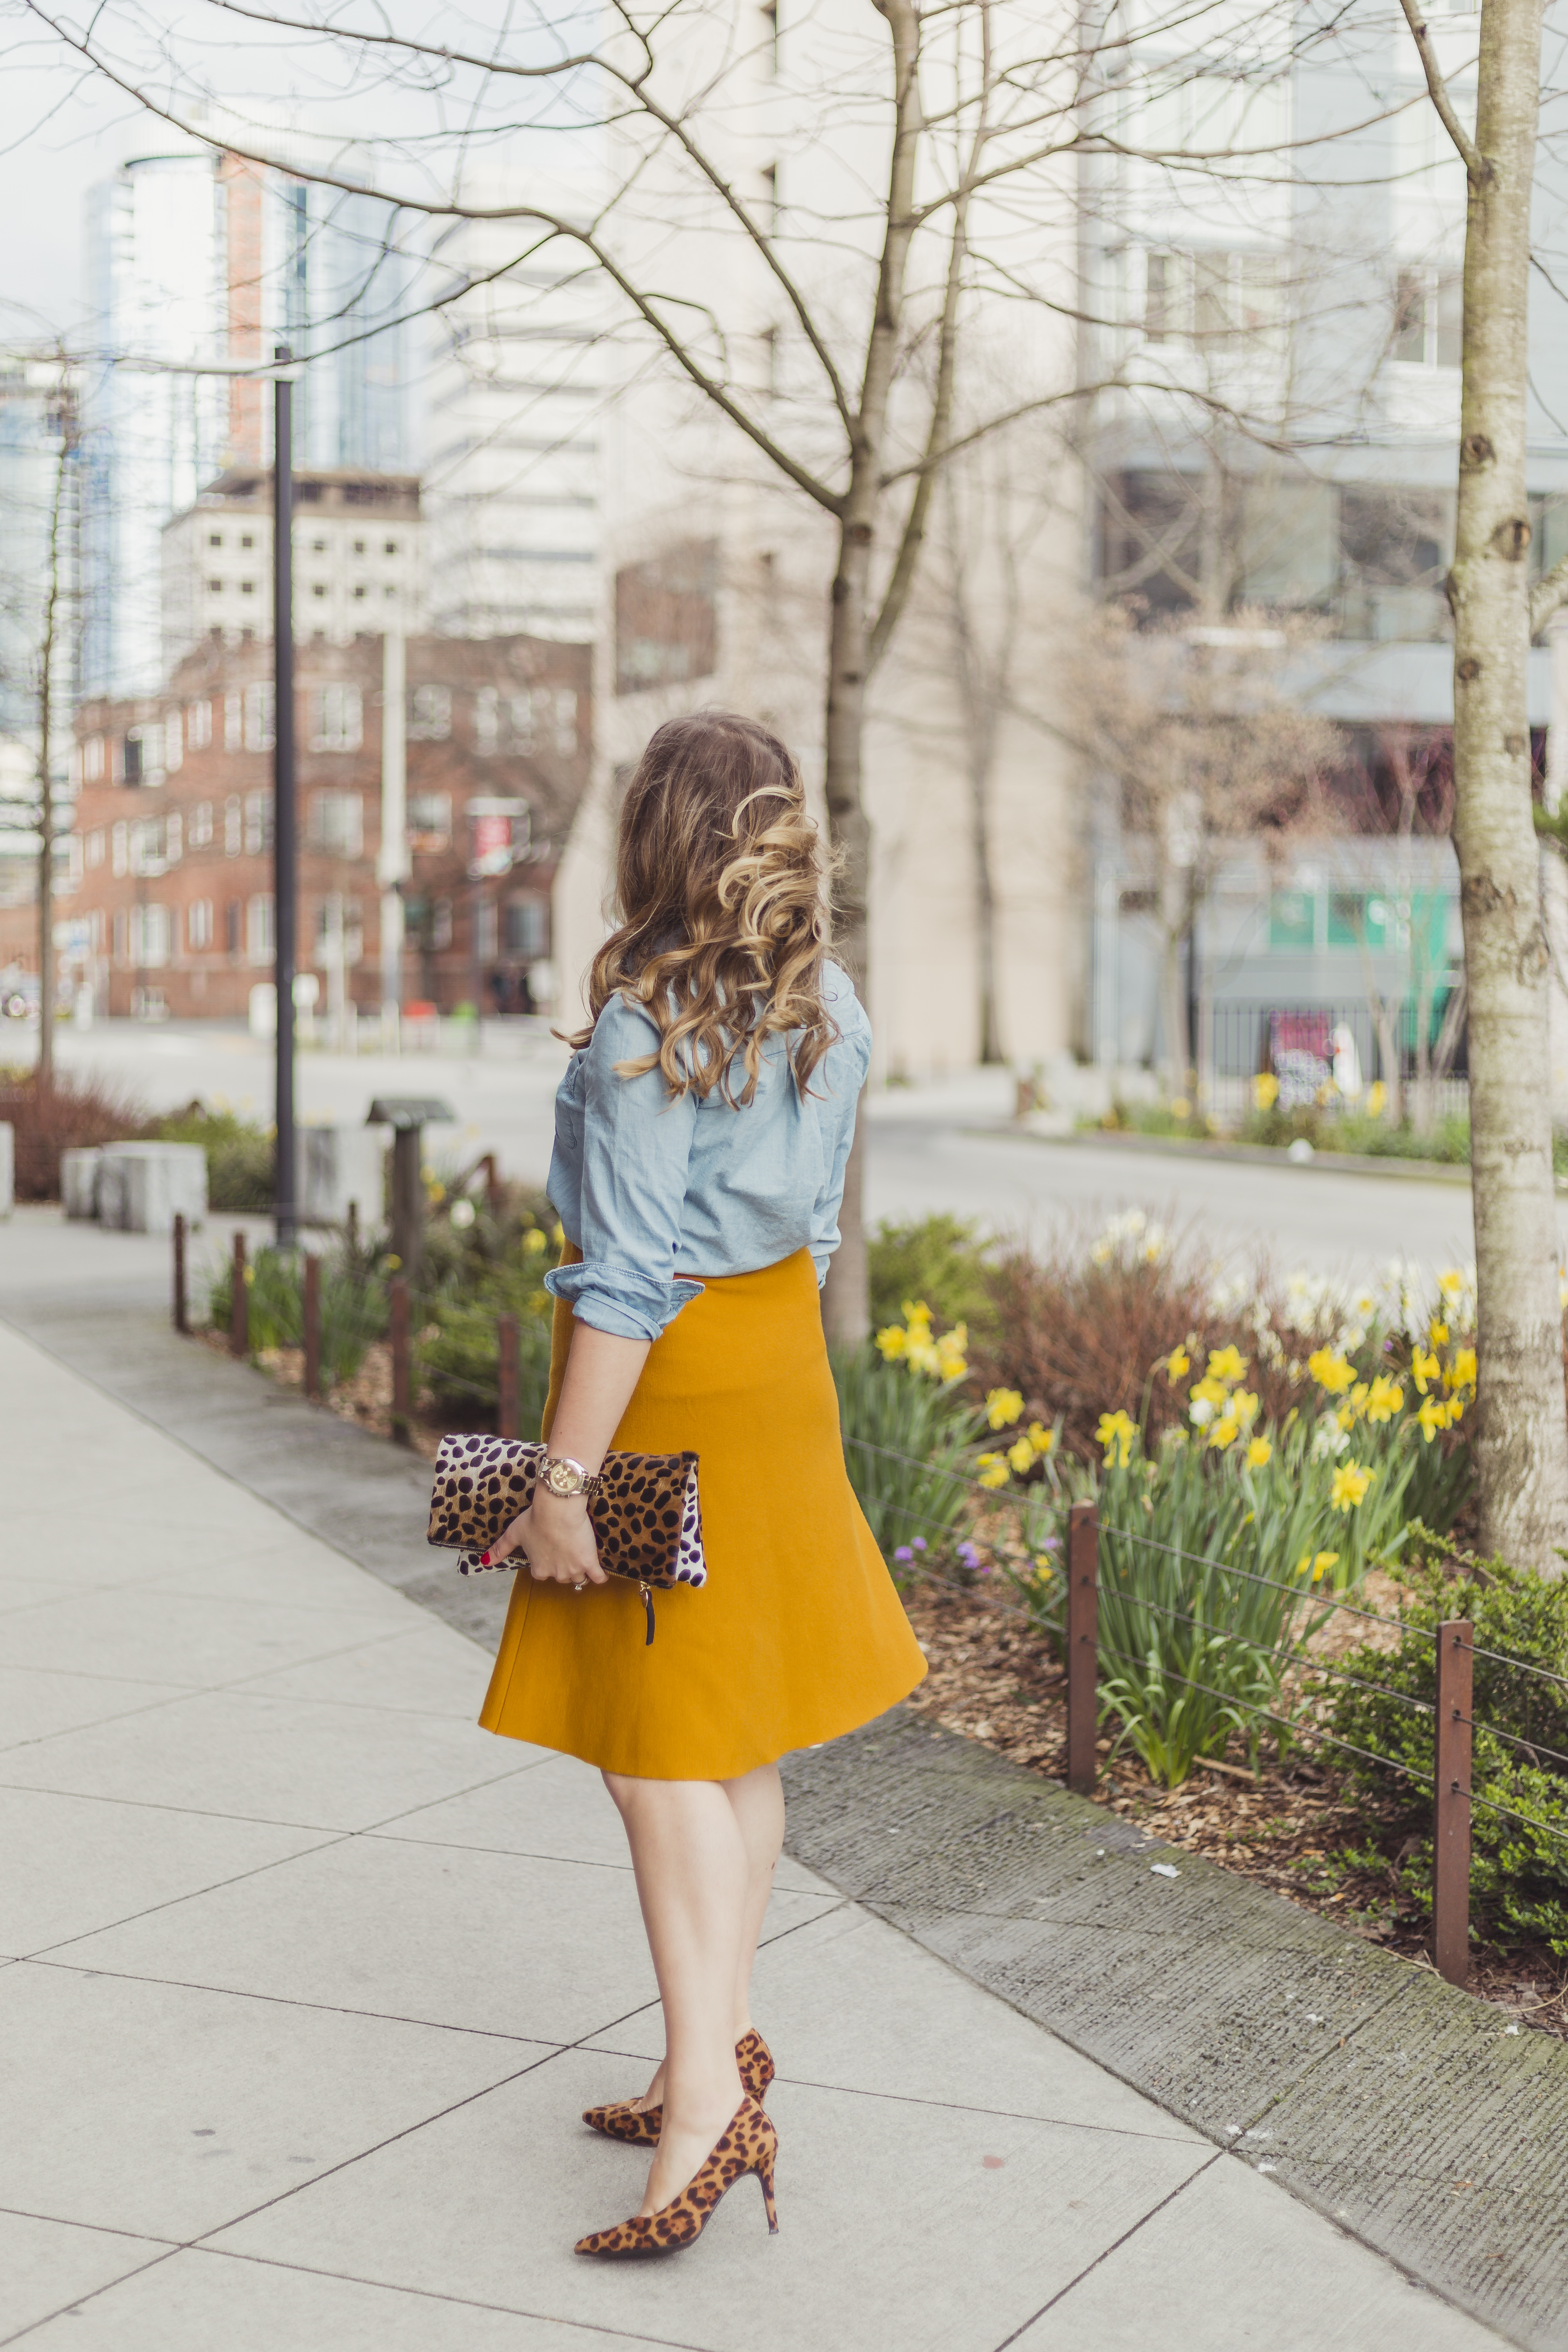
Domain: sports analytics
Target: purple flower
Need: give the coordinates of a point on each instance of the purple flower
(968, 1554)
(920, 1543)
(904, 1552)
(1052, 1543)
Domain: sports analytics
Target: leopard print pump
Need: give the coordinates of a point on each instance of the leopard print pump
(623, 2119)
(749, 2144)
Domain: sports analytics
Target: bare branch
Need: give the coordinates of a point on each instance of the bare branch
(1475, 165)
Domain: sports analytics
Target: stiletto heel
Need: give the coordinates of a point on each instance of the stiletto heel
(623, 2119)
(749, 2144)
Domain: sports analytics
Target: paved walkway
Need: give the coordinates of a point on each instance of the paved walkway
(305, 1980)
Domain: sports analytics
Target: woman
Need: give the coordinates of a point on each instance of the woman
(701, 1132)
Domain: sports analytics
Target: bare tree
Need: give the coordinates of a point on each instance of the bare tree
(57, 584)
(1521, 1435)
(951, 137)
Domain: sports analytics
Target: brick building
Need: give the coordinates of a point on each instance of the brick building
(169, 896)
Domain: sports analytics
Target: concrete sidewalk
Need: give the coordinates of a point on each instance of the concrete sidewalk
(306, 1980)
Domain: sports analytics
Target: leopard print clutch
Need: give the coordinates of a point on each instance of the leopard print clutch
(645, 1516)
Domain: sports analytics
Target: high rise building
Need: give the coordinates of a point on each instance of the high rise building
(196, 260)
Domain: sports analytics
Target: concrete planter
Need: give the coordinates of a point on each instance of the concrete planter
(7, 1168)
(142, 1186)
(78, 1179)
(340, 1168)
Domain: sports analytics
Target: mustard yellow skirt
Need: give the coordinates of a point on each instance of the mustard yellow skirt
(798, 1633)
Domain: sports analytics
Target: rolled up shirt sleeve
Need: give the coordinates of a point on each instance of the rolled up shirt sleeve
(636, 1152)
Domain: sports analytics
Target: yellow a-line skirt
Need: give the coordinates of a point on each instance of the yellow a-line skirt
(798, 1633)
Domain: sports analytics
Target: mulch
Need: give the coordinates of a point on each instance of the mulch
(1299, 1830)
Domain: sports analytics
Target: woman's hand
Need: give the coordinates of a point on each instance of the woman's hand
(556, 1536)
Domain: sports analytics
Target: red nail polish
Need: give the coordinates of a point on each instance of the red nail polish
(484, 1559)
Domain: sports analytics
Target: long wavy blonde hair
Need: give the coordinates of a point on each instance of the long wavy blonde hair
(721, 891)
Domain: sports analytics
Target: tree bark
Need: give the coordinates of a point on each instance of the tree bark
(49, 649)
(846, 1304)
(1520, 1437)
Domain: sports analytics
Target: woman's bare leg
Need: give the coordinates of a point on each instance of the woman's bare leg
(757, 1798)
(693, 1881)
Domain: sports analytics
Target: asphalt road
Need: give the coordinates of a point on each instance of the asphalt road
(943, 1147)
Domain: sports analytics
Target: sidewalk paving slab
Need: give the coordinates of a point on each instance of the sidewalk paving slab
(313, 1976)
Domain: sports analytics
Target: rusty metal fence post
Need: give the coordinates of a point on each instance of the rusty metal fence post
(1451, 1801)
(402, 1371)
(507, 1365)
(311, 1317)
(182, 1312)
(1082, 1643)
(239, 1303)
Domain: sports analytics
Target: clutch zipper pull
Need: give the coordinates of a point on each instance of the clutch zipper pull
(648, 1604)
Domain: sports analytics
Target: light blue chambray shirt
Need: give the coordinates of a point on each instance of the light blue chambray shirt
(650, 1186)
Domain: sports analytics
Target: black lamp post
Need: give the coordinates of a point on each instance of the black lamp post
(284, 843)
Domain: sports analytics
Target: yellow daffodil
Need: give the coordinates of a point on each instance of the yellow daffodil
(1321, 1565)
(558, 1235)
(1003, 1407)
(915, 1311)
(1456, 1410)
(1346, 1416)
(1433, 1417)
(1180, 1106)
(1209, 1391)
(1042, 1569)
(1225, 1431)
(1451, 1284)
(1350, 1486)
(1461, 1373)
(1423, 1368)
(990, 1470)
(949, 1366)
(1041, 1438)
(1021, 1455)
(1116, 1432)
(1437, 1333)
(1257, 1453)
(1387, 1399)
(1376, 1098)
(1244, 1404)
(1176, 1365)
(1227, 1364)
(1265, 1090)
(893, 1343)
(1359, 1395)
(1331, 1371)
(533, 1241)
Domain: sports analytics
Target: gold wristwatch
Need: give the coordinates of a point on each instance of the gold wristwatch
(563, 1477)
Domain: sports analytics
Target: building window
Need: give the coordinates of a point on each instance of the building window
(488, 930)
(199, 923)
(122, 935)
(258, 938)
(390, 548)
(430, 820)
(337, 823)
(441, 925)
(198, 726)
(317, 547)
(247, 587)
(95, 848)
(257, 823)
(667, 618)
(527, 927)
(202, 826)
(359, 592)
(359, 547)
(231, 916)
(487, 721)
(1428, 318)
(173, 743)
(215, 587)
(215, 539)
(247, 538)
(233, 826)
(430, 714)
(336, 718)
(173, 828)
(260, 706)
(147, 845)
(328, 914)
(150, 928)
(118, 858)
(319, 590)
(1293, 920)
(131, 763)
(234, 722)
(92, 760)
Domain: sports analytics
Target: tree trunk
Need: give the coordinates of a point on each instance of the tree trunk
(845, 1306)
(980, 761)
(1521, 1437)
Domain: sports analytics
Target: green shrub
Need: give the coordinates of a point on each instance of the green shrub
(241, 1160)
(908, 1446)
(940, 1259)
(1518, 1872)
(354, 1305)
(456, 1355)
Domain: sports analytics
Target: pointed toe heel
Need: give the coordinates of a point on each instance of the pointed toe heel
(749, 2144)
(637, 2127)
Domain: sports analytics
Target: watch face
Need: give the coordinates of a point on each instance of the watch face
(561, 1479)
